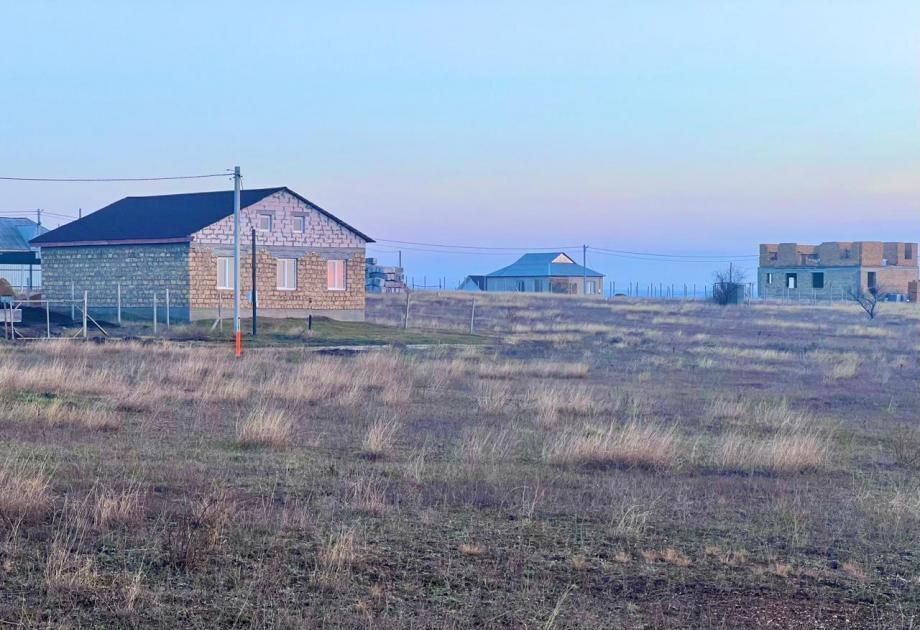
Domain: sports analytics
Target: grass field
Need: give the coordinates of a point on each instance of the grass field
(576, 464)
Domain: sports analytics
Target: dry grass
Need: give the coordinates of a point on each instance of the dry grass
(791, 450)
(669, 556)
(25, 490)
(473, 549)
(630, 444)
(335, 558)
(381, 436)
(117, 507)
(266, 427)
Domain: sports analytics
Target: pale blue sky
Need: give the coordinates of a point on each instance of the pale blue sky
(698, 127)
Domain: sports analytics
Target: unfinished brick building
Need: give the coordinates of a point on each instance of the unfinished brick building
(307, 260)
(835, 270)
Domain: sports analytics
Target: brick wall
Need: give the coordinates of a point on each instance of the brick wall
(312, 291)
(140, 269)
(323, 239)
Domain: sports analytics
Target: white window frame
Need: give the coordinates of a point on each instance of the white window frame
(259, 226)
(286, 269)
(335, 267)
(769, 278)
(300, 224)
(225, 268)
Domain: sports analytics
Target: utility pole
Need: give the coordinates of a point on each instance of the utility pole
(79, 213)
(584, 270)
(253, 282)
(236, 257)
(38, 214)
(730, 272)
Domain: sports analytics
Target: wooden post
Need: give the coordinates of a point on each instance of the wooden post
(85, 307)
(167, 309)
(154, 313)
(48, 318)
(73, 301)
(118, 293)
(406, 322)
(472, 315)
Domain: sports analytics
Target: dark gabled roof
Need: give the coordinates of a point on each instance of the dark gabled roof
(544, 265)
(162, 218)
(15, 233)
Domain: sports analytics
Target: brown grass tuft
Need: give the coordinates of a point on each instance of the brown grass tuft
(265, 427)
(631, 444)
(25, 490)
(381, 436)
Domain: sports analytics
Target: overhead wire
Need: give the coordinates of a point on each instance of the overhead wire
(111, 179)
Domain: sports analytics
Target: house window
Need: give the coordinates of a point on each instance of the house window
(300, 224)
(538, 286)
(792, 280)
(224, 272)
(769, 278)
(774, 256)
(591, 287)
(287, 273)
(871, 281)
(520, 285)
(846, 253)
(817, 280)
(264, 223)
(908, 251)
(335, 275)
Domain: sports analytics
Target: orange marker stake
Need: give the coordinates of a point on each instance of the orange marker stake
(239, 344)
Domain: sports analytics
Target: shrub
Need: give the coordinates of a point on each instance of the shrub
(266, 427)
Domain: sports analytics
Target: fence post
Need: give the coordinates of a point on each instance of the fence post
(118, 294)
(154, 313)
(406, 325)
(85, 308)
(472, 315)
(167, 309)
(48, 318)
(73, 301)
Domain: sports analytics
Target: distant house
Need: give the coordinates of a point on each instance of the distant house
(836, 270)
(20, 263)
(307, 259)
(540, 273)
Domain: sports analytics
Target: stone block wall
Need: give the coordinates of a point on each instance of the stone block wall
(311, 294)
(284, 208)
(140, 269)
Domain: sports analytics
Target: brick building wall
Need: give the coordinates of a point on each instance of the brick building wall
(190, 272)
(141, 270)
(311, 295)
(323, 239)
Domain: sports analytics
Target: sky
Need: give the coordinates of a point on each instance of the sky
(694, 128)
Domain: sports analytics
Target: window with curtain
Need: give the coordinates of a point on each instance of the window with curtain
(335, 275)
(287, 273)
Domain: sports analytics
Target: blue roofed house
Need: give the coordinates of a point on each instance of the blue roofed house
(20, 263)
(554, 272)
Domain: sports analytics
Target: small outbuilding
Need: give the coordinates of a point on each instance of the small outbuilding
(554, 272)
(20, 263)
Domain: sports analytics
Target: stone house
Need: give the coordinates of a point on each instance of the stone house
(307, 260)
(554, 272)
(836, 270)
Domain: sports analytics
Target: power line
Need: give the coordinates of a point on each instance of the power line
(664, 255)
(444, 248)
(110, 179)
(477, 247)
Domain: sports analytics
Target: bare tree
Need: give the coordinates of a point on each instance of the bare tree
(726, 283)
(868, 300)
